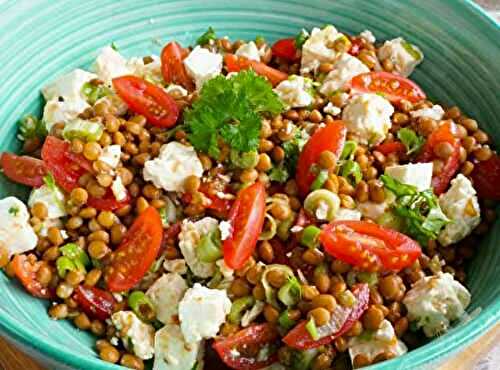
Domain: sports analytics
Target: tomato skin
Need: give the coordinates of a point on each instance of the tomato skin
(381, 82)
(136, 253)
(444, 133)
(285, 49)
(391, 147)
(219, 205)
(25, 272)
(369, 246)
(486, 177)
(172, 67)
(356, 45)
(23, 169)
(258, 334)
(330, 137)
(247, 219)
(96, 303)
(142, 97)
(299, 337)
(236, 64)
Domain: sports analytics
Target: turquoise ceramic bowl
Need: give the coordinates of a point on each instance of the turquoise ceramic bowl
(41, 39)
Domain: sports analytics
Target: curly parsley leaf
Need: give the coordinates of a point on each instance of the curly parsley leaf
(31, 127)
(279, 174)
(206, 37)
(411, 140)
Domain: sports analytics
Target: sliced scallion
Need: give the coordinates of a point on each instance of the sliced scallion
(141, 305)
(312, 329)
(238, 307)
(310, 236)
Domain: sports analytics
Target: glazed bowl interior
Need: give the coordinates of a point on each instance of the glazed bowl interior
(42, 39)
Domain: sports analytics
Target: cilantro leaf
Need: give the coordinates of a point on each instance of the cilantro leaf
(411, 140)
(279, 174)
(206, 37)
(31, 127)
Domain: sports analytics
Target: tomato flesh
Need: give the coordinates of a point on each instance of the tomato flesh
(23, 169)
(96, 303)
(300, 338)
(357, 44)
(255, 335)
(145, 98)
(393, 87)
(285, 49)
(25, 272)
(444, 134)
(330, 137)
(391, 147)
(172, 66)
(247, 219)
(236, 64)
(136, 253)
(486, 177)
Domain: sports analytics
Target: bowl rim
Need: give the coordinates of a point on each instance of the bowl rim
(463, 334)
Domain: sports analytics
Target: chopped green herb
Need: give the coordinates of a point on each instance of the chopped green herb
(292, 150)
(411, 140)
(14, 211)
(244, 159)
(259, 40)
(279, 174)
(301, 38)
(206, 37)
(114, 46)
(31, 127)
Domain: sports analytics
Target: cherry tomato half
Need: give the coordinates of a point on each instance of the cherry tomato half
(142, 97)
(96, 303)
(172, 66)
(136, 253)
(285, 49)
(23, 169)
(330, 137)
(247, 219)
(394, 87)
(391, 147)
(236, 64)
(486, 177)
(26, 273)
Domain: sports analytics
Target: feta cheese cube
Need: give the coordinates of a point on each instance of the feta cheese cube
(202, 311)
(344, 214)
(56, 111)
(177, 91)
(172, 352)
(318, 48)
(368, 117)
(402, 54)
(225, 229)
(173, 166)
(436, 112)
(203, 65)
(16, 233)
(53, 199)
(249, 51)
(151, 72)
(118, 189)
(177, 265)
(344, 69)
(111, 155)
(434, 301)
(295, 92)
(461, 206)
(368, 36)
(69, 86)
(416, 174)
(332, 109)
(133, 332)
(110, 64)
(226, 271)
(165, 294)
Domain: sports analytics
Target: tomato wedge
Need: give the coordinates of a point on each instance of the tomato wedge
(444, 133)
(391, 147)
(343, 318)
(330, 137)
(247, 219)
(96, 303)
(285, 49)
(26, 273)
(136, 253)
(254, 335)
(236, 64)
(369, 246)
(23, 169)
(142, 97)
(486, 177)
(172, 67)
(394, 87)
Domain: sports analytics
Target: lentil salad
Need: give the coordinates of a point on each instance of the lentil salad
(300, 205)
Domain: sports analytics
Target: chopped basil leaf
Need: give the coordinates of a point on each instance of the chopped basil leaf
(301, 38)
(411, 140)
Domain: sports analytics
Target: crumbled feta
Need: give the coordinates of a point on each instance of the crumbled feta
(250, 315)
(381, 341)
(460, 205)
(295, 92)
(373, 210)
(225, 229)
(118, 189)
(69, 86)
(56, 111)
(172, 352)
(52, 198)
(368, 36)
(249, 51)
(368, 117)
(173, 166)
(165, 294)
(189, 238)
(416, 174)
(150, 72)
(226, 271)
(111, 155)
(111, 64)
(402, 54)
(134, 332)
(203, 65)
(434, 301)
(202, 311)
(436, 112)
(344, 69)
(177, 91)
(347, 214)
(16, 233)
(319, 48)
(332, 109)
(176, 265)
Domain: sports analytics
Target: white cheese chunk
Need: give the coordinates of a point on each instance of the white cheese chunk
(416, 174)
(461, 206)
(368, 36)
(177, 91)
(404, 56)
(165, 294)
(118, 189)
(434, 301)
(151, 72)
(225, 229)
(295, 92)
(202, 311)
(173, 166)
(56, 111)
(436, 112)
(134, 332)
(344, 69)
(249, 51)
(69, 86)
(171, 350)
(203, 65)
(177, 265)
(111, 155)
(319, 48)
(347, 214)
(53, 199)
(368, 117)
(111, 64)
(332, 109)
(16, 233)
